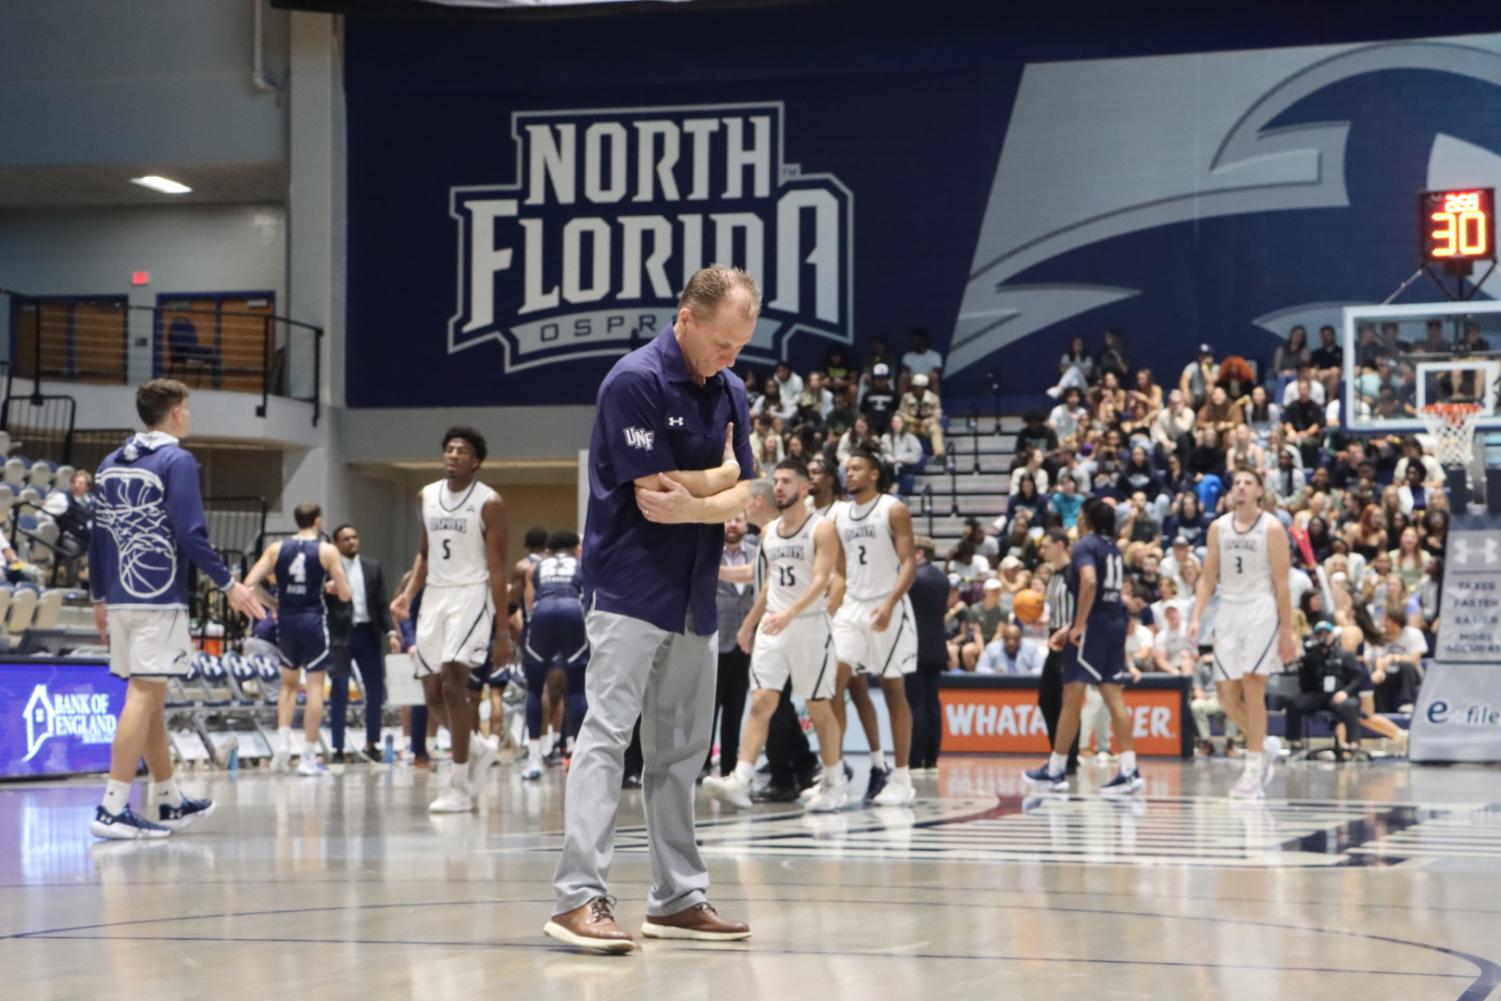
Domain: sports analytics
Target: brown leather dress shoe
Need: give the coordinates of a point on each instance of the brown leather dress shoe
(701, 923)
(591, 926)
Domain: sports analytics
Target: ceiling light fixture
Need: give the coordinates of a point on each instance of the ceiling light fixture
(165, 185)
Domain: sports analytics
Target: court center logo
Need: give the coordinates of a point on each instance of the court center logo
(584, 252)
(85, 716)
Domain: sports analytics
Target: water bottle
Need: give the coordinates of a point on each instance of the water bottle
(389, 754)
(233, 763)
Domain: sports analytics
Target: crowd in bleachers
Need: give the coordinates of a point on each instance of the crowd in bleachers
(45, 517)
(1367, 516)
(887, 404)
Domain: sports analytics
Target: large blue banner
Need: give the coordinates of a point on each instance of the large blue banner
(526, 198)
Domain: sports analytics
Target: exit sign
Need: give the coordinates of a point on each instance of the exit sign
(140, 278)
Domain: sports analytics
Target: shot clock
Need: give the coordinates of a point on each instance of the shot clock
(1457, 226)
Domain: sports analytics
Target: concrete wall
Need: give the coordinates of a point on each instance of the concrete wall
(91, 82)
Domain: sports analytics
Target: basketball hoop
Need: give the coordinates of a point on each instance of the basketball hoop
(1452, 426)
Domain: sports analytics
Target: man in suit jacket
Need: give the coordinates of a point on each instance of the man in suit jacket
(360, 631)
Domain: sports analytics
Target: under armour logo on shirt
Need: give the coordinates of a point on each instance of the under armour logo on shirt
(674, 422)
(640, 438)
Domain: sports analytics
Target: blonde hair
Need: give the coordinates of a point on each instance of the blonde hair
(710, 285)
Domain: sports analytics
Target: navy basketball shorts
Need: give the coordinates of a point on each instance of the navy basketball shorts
(303, 640)
(1100, 658)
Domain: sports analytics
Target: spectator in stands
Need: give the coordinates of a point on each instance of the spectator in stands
(966, 561)
(1328, 361)
(1315, 388)
(821, 397)
(82, 489)
(781, 409)
(1413, 493)
(1067, 501)
(988, 616)
(1135, 522)
(1024, 495)
(1435, 533)
(903, 453)
(1075, 369)
(1023, 539)
(958, 627)
(984, 543)
(1172, 651)
(1320, 541)
(1009, 653)
(1412, 454)
(752, 386)
(1187, 518)
(766, 443)
(1172, 426)
(1409, 561)
(1179, 553)
(1207, 458)
(796, 447)
(920, 358)
(1237, 377)
(1147, 389)
(1198, 376)
(1286, 483)
(879, 401)
(1108, 398)
(1221, 414)
(924, 413)
(1205, 702)
(1475, 341)
(1368, 536)
(1262, 415)
(1113, 358)
(1303, 423)
(1136, 419)
(1034, 434)
(1138, 474)
(842, 417)
(841, 373)
(1033, 464)
(1292, 355)
(1396, 663)
(1242, 452)
(788, 382)
(858, 436)
(1069, 418)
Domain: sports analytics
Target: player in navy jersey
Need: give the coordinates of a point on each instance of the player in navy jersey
(304, 567)
(555, 639)
(1094, 651)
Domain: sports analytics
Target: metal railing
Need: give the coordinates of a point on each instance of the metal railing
(236, 526)
(41, 427)
(193, 338)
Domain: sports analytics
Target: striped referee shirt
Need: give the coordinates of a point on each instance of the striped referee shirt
(1060, 602)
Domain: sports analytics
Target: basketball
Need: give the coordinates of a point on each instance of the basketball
(1028, 606)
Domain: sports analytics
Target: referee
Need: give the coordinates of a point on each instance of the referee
(669, 460)
(1055, 550)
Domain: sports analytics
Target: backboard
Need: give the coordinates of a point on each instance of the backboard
(1398, 359)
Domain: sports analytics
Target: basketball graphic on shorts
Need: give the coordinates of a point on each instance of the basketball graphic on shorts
(1028, 606)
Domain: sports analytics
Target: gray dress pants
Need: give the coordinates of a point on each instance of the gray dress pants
(667, 679)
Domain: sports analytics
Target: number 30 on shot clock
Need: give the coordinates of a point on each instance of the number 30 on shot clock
(1458, 225)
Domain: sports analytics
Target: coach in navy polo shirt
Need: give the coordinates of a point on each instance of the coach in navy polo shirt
(668, 464)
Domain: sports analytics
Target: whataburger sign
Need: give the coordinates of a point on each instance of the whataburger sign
(1007, 720)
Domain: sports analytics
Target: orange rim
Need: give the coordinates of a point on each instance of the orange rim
(1454, 413)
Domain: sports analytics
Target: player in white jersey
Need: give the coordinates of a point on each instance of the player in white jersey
(792, 638)
(461, 564)
(874, 629)
(1249, 559)
(825, 496)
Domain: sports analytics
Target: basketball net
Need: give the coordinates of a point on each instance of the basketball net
(1452, 426)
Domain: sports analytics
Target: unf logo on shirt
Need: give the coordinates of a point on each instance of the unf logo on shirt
(609, 212)
(640, 438)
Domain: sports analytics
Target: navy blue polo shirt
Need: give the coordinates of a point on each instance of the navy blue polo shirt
(652, 417)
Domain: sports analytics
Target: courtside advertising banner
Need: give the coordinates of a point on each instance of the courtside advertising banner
(57, 718)
(1458, 716)
(1007, 721)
